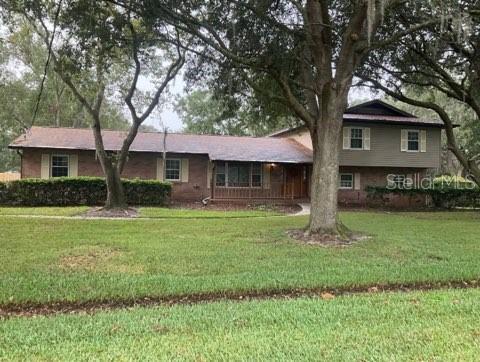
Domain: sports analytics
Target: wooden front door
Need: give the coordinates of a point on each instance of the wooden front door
(296, 182)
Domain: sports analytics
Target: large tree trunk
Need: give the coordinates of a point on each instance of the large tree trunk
(115, 192)
(324, 192)
(470, 165)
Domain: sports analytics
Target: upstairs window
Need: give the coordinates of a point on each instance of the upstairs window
(172, 170)
(59, 166)
(356, 138)
(413, 139)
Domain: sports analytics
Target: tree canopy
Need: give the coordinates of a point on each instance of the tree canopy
(116, 48)
(300, 55)
(442, 58)
(203, 112)
(22, 64)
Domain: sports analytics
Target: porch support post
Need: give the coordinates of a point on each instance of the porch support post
(213, 180)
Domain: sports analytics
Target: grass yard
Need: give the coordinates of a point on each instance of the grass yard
(163, 213)
(428, 326)
(43, 211)
(45, 260)
(144, 212)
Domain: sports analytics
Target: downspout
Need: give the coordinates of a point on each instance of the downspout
(20, 153)
(164, 153)
(206, 200)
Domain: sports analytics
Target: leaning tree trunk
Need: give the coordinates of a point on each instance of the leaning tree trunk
(115, 193)
(324, 191)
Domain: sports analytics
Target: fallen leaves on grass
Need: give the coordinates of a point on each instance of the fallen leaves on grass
(327, 296)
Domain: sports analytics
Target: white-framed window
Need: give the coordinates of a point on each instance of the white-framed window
(346, 181)
(413, 140)
(173, 169)
(59, 166)
(356, 138)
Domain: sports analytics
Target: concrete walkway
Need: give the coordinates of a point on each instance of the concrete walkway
(305, 210)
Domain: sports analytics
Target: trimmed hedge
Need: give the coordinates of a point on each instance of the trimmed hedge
(66, 191)
(442, 197)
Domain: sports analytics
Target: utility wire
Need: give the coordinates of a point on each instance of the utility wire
(47, 63)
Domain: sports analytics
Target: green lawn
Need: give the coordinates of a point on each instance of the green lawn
(145, 212)
(158, 212)
(68, 259)
(43, 211)
(394, 326)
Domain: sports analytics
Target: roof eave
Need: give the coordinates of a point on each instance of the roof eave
(262, 160)
(393, 123)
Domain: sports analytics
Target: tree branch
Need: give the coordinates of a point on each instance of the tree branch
(469, 164)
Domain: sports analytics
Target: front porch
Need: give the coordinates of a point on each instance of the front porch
(242, 181)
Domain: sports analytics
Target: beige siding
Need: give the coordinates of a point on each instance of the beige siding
(302, 136)
(385, 147)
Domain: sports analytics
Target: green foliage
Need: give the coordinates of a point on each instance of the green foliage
(441, 194)
(457, 181)
(468, 132)
(79, 191)
(204, 112)
(20, 88)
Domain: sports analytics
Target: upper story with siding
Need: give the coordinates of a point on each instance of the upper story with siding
(377, 134)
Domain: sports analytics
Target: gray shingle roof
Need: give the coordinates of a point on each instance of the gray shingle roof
(227, 148)
(376, 111)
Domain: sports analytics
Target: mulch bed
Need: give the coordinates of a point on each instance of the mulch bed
(325, 240)
(132, 212)
(284, 209)
(111, 213)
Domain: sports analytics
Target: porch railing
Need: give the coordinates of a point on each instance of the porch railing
(276, 190)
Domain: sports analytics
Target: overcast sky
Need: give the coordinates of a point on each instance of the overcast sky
(171, 120)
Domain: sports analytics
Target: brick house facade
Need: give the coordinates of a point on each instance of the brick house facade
(379, 140)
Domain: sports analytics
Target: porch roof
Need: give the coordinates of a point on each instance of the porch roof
(225, 148)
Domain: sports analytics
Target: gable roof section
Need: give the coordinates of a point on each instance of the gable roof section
(378, 107)
(225, 148)
(376, 111)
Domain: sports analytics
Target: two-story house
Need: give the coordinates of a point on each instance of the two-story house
(379, 141)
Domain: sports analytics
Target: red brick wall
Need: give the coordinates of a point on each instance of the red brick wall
(144, 166)
(377, 176)
(139, 165)
(196, 187)
(31, 163)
